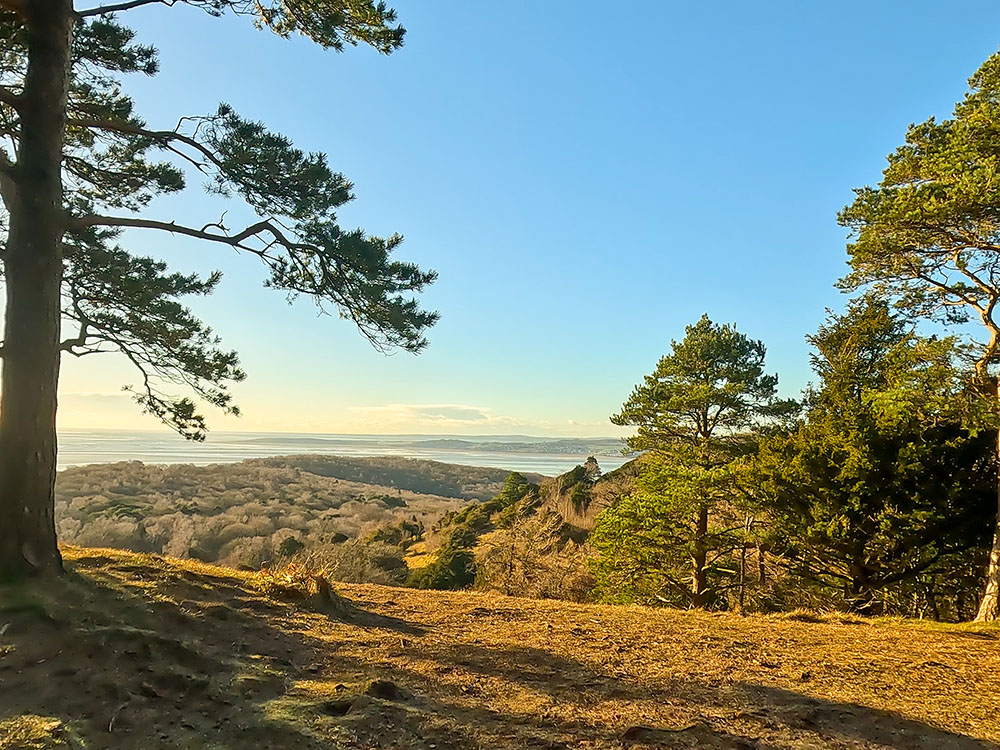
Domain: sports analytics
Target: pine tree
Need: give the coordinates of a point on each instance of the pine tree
(928, 238)
(693, 414)
(78, 166)
(879, 485)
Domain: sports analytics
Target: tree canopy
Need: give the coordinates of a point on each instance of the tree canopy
(693, 414)
(116, 164)
(879, 488)
(927, 236)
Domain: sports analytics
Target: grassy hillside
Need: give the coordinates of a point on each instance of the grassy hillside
(134, 651)
(527, 540)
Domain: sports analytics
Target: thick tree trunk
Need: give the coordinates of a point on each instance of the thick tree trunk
(989, 606)
(699, 558)
(32, 276)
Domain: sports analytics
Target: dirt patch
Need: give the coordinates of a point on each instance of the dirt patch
(130, 651)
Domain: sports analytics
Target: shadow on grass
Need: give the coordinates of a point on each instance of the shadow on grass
(850, 722)
(134, 656)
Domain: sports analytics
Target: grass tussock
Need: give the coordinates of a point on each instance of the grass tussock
(32, 732)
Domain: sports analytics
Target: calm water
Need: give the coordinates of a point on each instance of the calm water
(99, 446)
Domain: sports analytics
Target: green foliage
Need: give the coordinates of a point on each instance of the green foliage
(864, 496)
(454, 564)
(927, 235)
(115, 164)
(643, 548)
(329, 24)
(710, 388)
(693, 413)
(453, 568)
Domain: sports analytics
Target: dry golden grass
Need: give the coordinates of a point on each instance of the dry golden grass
(134, 651)
(417, 556)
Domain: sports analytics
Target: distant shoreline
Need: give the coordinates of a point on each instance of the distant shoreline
(546, 456)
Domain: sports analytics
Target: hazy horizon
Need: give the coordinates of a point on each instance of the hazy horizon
(462, 435)
(101, 445)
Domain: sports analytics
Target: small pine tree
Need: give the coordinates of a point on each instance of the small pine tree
(692, 414)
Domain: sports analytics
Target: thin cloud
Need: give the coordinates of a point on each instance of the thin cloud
(438, 415)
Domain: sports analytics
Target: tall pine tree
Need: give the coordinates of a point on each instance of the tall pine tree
(78, 166)
(928, 238)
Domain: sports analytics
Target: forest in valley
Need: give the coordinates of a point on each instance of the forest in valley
(360, 512)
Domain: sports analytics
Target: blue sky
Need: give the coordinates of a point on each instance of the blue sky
(585, 183)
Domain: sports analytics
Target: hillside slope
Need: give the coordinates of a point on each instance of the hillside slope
(242, 514)
(133, 651)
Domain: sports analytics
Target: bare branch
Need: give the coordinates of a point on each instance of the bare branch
(235, 240)
(103, 9)
(164, 136)
(79, 340)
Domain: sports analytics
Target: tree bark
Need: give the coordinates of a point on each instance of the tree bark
(699, 557)
(989, 606)
(32, 276)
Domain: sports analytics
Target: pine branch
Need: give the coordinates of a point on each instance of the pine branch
(105, 9)
(236, 240)
(80, 340)
(163, 136)
(367, 296)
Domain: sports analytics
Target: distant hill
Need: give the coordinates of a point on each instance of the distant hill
(572, 446)
(135, 652)
(414, 475)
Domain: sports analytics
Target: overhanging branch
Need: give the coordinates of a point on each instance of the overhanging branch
(163, 136)
(236, 240)
(104, 9)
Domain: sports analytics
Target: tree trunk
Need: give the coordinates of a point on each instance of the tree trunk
(861, 596)
(32, 276)
(989, 607)
(699, 557)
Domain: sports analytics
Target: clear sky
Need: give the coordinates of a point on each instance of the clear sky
(586, 177)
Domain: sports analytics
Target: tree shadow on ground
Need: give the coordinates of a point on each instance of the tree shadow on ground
(154, 655)
(854, 722)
